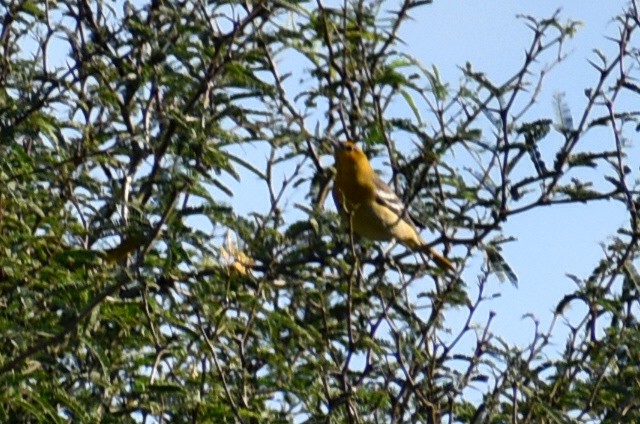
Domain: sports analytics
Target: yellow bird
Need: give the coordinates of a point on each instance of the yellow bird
(371, 206)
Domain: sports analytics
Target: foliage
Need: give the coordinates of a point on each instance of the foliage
(126, 127)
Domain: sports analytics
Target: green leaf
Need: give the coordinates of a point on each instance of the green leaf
(412, 105)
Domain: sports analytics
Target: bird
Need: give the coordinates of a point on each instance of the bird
(372, 209)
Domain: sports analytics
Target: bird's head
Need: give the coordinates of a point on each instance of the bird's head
(348, 155)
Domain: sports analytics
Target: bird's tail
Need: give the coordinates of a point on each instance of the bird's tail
(440, 260)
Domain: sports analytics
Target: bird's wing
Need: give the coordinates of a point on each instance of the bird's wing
(388, 198)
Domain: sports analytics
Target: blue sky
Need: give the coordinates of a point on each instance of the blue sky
(553, 241)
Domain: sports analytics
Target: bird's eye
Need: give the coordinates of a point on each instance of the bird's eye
(348, 147)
